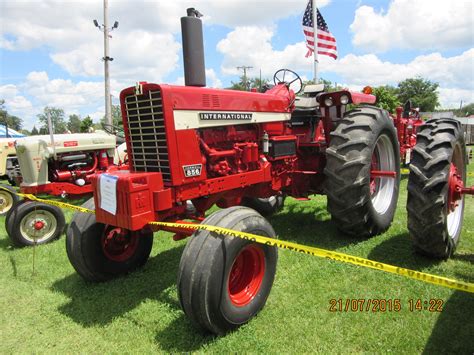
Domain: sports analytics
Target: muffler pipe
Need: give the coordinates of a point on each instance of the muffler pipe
(193, 49)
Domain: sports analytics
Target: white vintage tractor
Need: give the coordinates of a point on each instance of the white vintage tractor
(62, 168)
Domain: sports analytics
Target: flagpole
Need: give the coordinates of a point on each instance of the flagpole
(315, 52)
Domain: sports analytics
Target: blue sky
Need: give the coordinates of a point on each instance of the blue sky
(50, 51)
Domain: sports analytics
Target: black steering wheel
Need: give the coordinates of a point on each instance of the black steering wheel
(290, 78)
(113, 130)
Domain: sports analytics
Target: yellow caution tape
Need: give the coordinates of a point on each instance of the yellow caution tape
(322, 253)
(407, 171)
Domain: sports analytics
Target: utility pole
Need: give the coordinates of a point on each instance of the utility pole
(244, 68)
(105, 29)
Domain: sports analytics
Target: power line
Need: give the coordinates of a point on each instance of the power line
(244, 68)
(105, 29)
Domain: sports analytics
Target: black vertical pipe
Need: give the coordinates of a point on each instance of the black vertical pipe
(193, 49)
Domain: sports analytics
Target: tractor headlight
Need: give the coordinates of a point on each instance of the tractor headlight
(344, 99)
(328, 101)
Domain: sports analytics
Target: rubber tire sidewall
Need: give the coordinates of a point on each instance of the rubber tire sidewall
(14, 196)
(21, 210)
(263, 205)
(205, 267)
(84, 249)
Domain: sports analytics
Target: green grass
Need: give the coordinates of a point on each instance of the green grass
(54, 310)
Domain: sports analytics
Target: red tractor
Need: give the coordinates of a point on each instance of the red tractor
(192, 147)
(407, 121)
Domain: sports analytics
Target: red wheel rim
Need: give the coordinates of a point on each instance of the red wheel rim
(246, 275)
(455, 186)
(374, 165)
(119, 244)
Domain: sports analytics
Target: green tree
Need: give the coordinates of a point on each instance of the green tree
(387, 97)
(422, 93)
(34, 131)
(116, 117)
(256, 83)
(57, 119)
(11, 121)
(74, 123)
(86, 124)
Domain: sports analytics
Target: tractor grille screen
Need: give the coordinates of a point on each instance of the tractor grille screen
(146, 127)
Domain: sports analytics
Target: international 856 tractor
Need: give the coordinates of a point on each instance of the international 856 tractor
(191, 147)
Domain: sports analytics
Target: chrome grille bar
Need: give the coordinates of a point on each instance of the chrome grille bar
(146, 127)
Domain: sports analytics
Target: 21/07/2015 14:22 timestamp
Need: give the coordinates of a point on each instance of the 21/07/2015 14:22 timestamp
(384, 305)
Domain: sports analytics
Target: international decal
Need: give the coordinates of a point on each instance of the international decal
(225, 116)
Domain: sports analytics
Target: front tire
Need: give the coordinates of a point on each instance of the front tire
(99, 252)
(8, 198)
(265, 206)
(365, 140)
(434, 216)
(224, 281)
(33, 223)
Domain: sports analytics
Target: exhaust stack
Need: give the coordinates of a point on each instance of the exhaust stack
(193, 49)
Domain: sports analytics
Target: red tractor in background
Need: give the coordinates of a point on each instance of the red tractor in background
(407, 120)
(192, 147)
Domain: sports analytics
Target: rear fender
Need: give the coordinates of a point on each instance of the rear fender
(352, 96)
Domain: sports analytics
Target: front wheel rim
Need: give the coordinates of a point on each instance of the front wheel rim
(38, 226)
(246, 275)
(382, 188)
(119, 244)
(455, 201)
(6, 201)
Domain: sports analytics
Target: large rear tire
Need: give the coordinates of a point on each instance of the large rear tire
(364, 140)
(99, 252)
(34, 223)
(224, 281)
(434, 216)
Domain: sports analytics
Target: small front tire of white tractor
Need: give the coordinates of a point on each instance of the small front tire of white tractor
(223, 281)
(8, 198)
(34, 223)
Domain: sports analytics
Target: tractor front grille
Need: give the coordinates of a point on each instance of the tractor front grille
(147, 136)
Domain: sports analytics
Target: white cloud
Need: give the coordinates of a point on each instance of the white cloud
(212, 80)
(455, 75)
(450, 72)
(451, 98)
(415, 24)
(251, 45)
(15, 103)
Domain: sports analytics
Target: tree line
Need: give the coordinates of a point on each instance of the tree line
(73, 124)
(422, 93)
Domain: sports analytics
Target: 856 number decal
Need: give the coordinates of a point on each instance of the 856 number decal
(192, 170)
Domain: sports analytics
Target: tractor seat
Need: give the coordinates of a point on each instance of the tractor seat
(308, 100)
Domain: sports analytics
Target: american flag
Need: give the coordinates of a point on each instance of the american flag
(326, 42)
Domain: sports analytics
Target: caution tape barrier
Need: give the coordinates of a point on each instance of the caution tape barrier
(322, 253)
